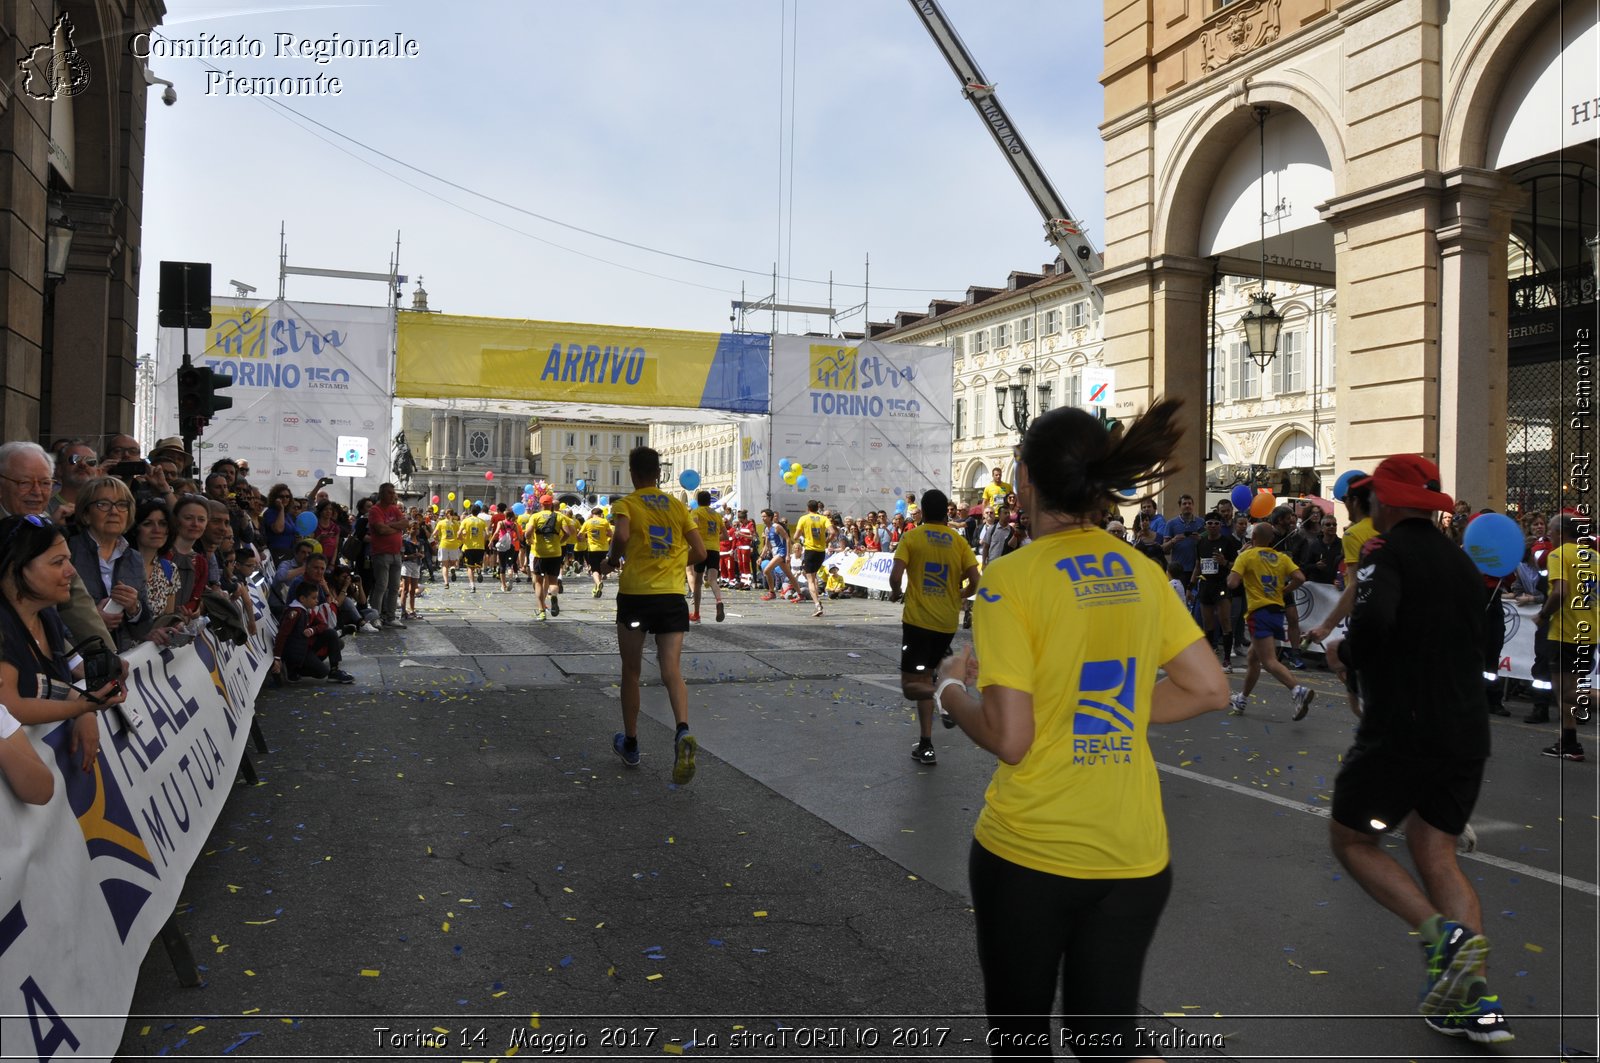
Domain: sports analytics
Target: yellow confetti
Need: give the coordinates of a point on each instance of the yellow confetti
(566, 889)
(913, 878)
(258, 922)
(654, 977)
(249, 974)
(369, 972)
(676, 1050)
(420, 897)
(144, 1031)
(445, 927)
(441, 1029)
(399, 775)
(196, 1030)
(611, 972)
(759, 915)
(430, 853)
(1185, 763)
(250, 1011)
(597, 926)
(325, 859)
(671, 840)
(215, 939)
(500, 994)
(1531, 947)
(234, 889)
(1316, 972)
(221, 949)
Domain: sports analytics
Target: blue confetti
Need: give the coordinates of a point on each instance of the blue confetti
(566, 961)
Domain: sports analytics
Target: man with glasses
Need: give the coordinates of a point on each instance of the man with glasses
(121, 448)
(25, 485)
(76, 465)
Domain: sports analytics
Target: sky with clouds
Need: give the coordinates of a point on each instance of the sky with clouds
(647, 124)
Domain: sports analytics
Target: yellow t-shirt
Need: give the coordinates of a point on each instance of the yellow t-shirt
(525, 525)
(1081, 621)
(813, 530)
(995, 492)
(547, 533)
(597, 535)
(1355, 535)
(708, 522)
(571, 528)
(1577, 622)
(936, 556)
(474, 530)
(446, 534)
(1265, 573)
(658, 541)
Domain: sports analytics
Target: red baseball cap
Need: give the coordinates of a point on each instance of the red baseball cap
(1408, 481)
(547, 500)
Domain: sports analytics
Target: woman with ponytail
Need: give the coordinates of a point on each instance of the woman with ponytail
(1069, 862)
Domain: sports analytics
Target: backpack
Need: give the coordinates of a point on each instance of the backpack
(505, 542)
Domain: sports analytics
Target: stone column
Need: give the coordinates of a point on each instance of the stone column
(438, 427)
(1472, 333)
(1155, 329)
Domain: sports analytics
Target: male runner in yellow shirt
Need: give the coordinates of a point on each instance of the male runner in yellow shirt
(656, 538)
(1268, 577)
(995, 491)
(548, 536)
(708, 522)
(814, 532)
(596, 540)
(447, 534)
(474, 536)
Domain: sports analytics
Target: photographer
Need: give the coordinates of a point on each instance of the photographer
(277, 522)
(37, 668)
(345, 595)
(111, 568)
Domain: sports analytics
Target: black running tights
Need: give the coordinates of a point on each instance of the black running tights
(1091, 934)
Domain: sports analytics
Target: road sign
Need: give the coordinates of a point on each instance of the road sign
(352, 456)
(1099, 386)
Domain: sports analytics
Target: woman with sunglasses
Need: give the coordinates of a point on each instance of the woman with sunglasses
(37, 662)
(108, 563)
(277, 523)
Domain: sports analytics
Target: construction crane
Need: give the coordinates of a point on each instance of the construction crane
(1061, 228)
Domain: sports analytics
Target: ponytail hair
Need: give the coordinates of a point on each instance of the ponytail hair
(1076, 467)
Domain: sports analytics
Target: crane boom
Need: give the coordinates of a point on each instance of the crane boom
(1061, 228)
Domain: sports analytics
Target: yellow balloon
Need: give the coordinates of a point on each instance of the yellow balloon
(451, 496)
(434, 508)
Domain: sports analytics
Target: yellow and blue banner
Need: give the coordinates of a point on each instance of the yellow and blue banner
(444, 356)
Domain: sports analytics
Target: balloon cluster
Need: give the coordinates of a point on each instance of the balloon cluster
(794, 474)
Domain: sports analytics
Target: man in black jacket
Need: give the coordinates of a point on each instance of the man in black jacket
(1415, 644)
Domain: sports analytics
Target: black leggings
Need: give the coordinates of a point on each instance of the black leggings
(1092, 934)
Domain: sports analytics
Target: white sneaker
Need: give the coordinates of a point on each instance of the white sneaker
(368, 629)
(1227, 666)
(1467, 840)
(1302, 696)
(1236, 705)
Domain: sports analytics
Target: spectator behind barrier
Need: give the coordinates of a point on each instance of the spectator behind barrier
(109, 565)
(189, 520)
(76, 465)
(38, 662)
(25, 484)
(151, 534)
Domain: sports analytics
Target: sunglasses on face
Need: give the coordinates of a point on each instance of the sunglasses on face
(81, 459)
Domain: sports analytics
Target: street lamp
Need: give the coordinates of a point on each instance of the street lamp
(1262, 323)
(1020, 415)
(58, 248)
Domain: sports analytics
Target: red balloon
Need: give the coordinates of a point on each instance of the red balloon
(436, 500)
(489, 475)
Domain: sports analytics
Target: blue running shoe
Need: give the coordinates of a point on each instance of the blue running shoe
(1481, 1021)
(630, 757)
(683, 758)
(1452, 960)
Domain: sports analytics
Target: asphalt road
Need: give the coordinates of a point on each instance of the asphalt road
(445, 861)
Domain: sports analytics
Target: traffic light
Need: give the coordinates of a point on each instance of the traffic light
(198, 400)
(1111, 424)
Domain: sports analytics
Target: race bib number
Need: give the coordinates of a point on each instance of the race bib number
(1208, 566)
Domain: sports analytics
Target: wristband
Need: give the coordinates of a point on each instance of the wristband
(940, 689)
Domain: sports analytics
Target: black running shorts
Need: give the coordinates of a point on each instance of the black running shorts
(472, 558)
(547, 566)
(656, 614)
(710, 564)
(1375, 791)
(812, 561)
(921, 650)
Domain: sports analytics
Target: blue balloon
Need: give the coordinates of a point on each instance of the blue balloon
(605, 500)
(519, 509)
(803, 483)
(688, 479)
(783, 464)
(694, 505)
(583, 485)
(1341, 486)
(527, 489)
(1494, 543)
(1241, 497)
(306, 522)
(900, 505)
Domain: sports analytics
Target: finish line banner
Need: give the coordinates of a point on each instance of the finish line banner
(444, 356)
(88, 880)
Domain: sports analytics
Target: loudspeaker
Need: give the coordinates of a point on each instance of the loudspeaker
(185, 296)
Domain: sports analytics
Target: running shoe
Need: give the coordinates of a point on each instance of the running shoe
(1294, 660)
(923, 753)
(1562, 751)
(555, 605)
(767, 597)
(818, 612)
(1452, 961)
(694, 618)
(1481, 1021)
(368, 628)
(1227, 665)
(540, 615)
(683, 750)
(1236, 705)
(1302, 696)
(1467, 840)
(721, 613)
(597, 592)
(630, 757)
(339, 675)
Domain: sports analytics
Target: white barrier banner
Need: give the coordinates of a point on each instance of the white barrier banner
(304, 374)
(867, 423)
(869, 570)
(88, 880)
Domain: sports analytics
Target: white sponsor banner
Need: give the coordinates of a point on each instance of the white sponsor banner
(867, 422)
(752, 486)
(304, 374)
(88, 880)
(869, 569)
